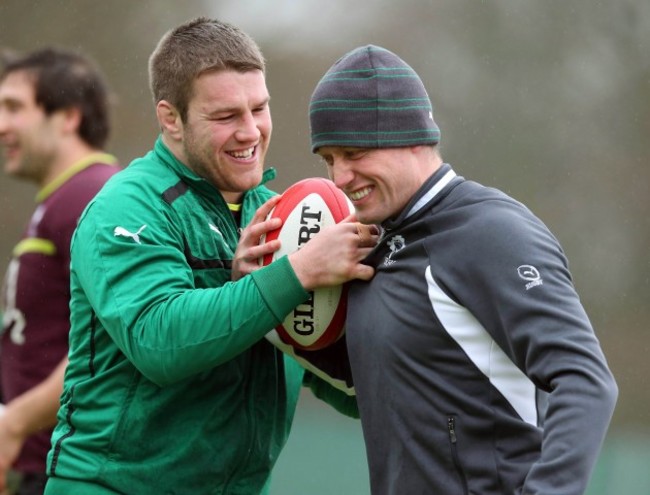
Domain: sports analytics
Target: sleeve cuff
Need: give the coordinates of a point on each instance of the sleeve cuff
(280, 287)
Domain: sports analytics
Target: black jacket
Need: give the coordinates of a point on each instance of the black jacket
(475, 366)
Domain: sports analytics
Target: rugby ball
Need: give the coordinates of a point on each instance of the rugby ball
(305, 208)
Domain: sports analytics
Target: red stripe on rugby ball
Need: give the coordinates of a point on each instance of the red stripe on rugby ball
(306, 207)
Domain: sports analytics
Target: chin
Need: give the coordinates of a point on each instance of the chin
(15, 171)
(367, 219)
(241, 186)
(371, 217)
(253, 179)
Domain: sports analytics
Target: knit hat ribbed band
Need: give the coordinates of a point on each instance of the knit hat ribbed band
(371, 98)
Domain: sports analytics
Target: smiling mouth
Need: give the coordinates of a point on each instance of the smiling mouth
(246, 154)
(360, 194)
(9, 150)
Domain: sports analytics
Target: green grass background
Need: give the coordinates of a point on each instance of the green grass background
(325, 455)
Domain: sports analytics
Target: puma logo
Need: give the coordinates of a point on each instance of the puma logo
(125, 233)
(215, 229)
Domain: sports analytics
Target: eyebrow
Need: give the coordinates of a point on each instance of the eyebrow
(236, 109)
(10, 100)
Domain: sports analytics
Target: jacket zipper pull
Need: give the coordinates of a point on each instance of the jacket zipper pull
(451, 425)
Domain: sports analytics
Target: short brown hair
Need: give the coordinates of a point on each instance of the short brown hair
(65, 79)
(193, 48)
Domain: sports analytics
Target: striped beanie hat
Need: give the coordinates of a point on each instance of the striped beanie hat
(371, 98)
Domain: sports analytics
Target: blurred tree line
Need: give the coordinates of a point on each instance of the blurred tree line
(548, 101)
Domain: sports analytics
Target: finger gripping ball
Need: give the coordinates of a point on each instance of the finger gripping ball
(305, 208)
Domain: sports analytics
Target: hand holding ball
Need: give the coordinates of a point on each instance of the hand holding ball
(305, 208)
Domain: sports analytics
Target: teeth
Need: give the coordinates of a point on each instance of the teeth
(244, 153)
(357, 195)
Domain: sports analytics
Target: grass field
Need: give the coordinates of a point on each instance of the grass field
(325, 455)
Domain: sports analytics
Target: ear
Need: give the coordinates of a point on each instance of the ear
(69, 119)
(170, 120)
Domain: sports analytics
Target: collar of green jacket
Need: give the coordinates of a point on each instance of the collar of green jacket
(188, 176)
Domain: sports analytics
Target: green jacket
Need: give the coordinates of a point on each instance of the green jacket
(171, 390)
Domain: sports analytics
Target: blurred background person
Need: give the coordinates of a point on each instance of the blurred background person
(54, 124)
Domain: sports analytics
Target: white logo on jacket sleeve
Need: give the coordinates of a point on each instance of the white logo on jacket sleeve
(530, 273)
(121, 231)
